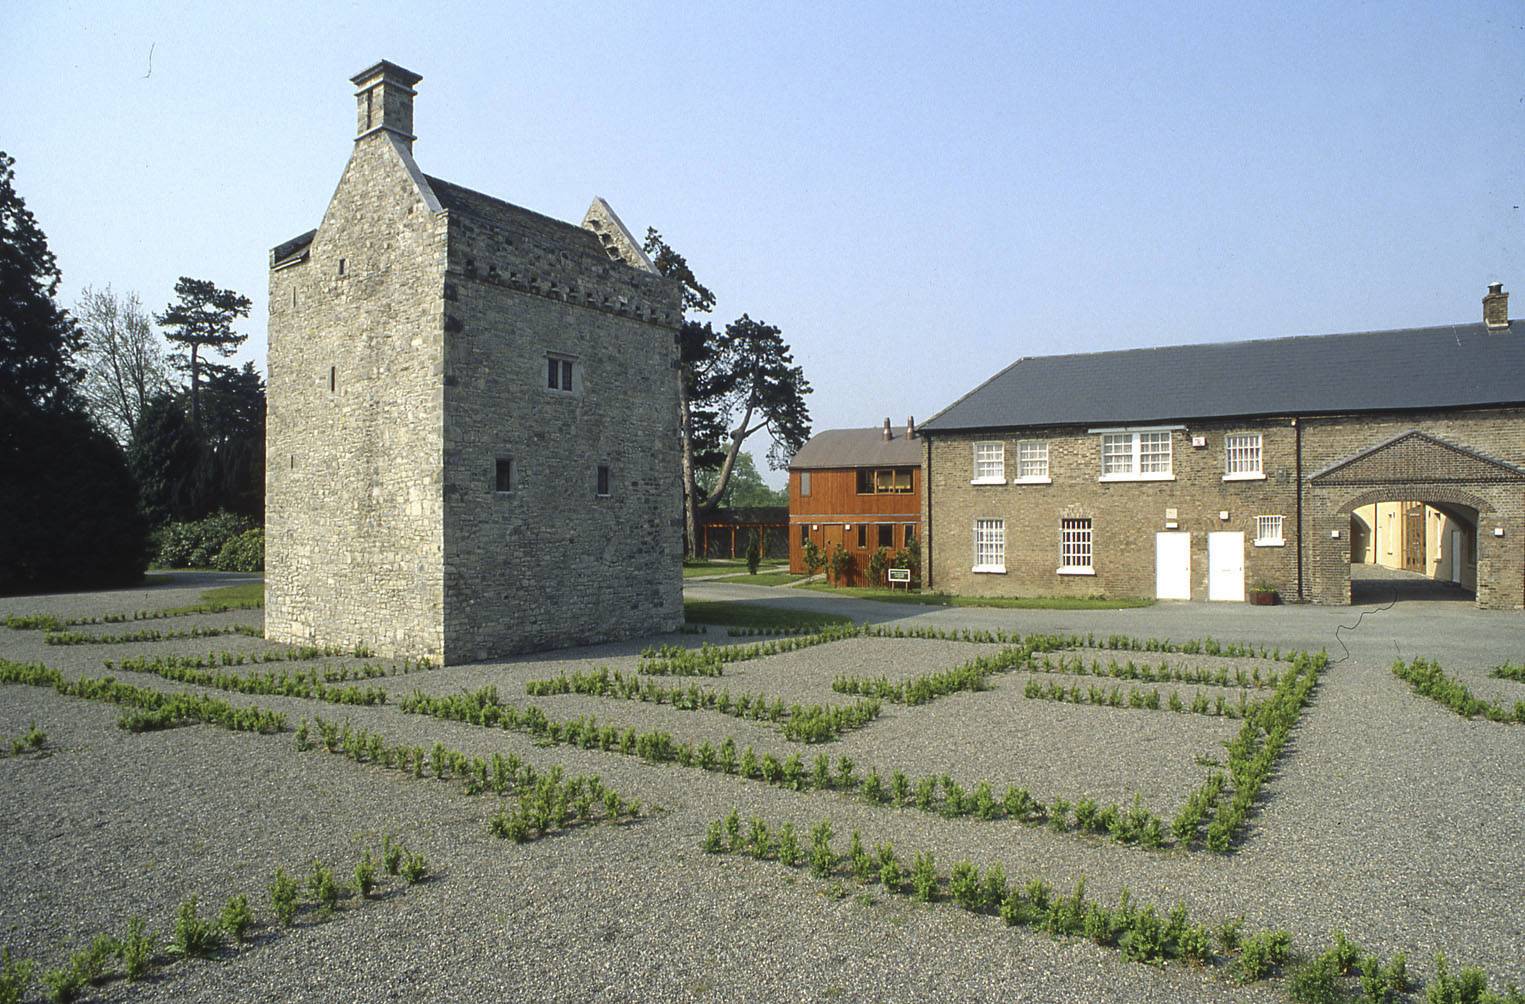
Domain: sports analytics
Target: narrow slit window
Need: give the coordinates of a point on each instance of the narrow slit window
(603, 479)
(503, 475)
(333, 378)
(862, 534)
(341, 266)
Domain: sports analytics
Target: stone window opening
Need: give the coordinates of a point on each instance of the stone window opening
(333, 378)
(603, 480)
(503, 479)
(341, 266)
(560, 374)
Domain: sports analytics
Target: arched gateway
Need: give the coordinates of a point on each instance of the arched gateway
(1478, 499)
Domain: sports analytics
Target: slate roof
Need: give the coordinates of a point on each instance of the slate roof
(1451, 366)
(292, 250)
(516, 218)
(857, 448)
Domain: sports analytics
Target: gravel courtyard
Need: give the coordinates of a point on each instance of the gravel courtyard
(1389, 817)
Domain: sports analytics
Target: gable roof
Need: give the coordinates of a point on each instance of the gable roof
(1456, 365)
(857, 448)
(1395, 460)
(458, 199)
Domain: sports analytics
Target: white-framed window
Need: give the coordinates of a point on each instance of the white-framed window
(1241, 457)
(1143, 455)
(990, 545)
(1032, 462)
(989, 464)
(1268, 531)
(1075, 547)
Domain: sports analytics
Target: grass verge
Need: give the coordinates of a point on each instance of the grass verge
(1006, 602)
(243, 593)
(733, 614)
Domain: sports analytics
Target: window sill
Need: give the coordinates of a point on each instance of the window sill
(1032, 481)
(1075, 570)
(1271, 543)
(1105, 478)
(989, 569)
(1258, 476)
(988, 481)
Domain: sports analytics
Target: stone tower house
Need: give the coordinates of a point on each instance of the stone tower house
(472, 440)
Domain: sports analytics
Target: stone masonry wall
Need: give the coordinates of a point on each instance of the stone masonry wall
(550, 563)
(354, 501)
(1125, 515)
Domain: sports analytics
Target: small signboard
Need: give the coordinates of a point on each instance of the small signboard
(899, 575)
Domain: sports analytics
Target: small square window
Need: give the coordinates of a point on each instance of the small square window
(504, 479)
(886, 535)
(603, 479)
(1268, 531)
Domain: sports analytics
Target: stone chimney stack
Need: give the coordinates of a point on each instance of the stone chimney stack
(384, 96)
(910, 427)
(1496, 307)
(887, 434)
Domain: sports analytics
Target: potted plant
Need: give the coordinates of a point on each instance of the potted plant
(1263, 594)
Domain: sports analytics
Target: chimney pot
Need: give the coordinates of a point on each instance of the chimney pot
(887, 434)
(1496, 307)
(384, 101)
(910, 427)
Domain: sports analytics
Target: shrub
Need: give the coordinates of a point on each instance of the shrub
(194, 937)
(136, 949)
(243, 553)
(1262, 952)
(924, 877)
(1316, 982)
(197, 543)
(365, 875)
(754, 552)
(64, 983)
(283, 897)
(15, 977)
(414, 868)
(68, 503)
(237, 918)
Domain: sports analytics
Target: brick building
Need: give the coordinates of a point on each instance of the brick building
(472, 437)
(1190, 472)
(857, 489)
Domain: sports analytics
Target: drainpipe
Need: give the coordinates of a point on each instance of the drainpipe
(926, 563)
(1298, 428)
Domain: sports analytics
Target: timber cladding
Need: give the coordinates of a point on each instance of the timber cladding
(834, 505)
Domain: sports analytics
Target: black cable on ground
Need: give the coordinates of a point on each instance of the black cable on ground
(1351, 627)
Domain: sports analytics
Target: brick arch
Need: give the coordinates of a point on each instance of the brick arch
(1417, 491)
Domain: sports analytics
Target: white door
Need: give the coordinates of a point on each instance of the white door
(1225, 567)
(1172, 566)
(1457, 543)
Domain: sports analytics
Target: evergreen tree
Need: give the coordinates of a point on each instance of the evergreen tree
(202, 320)
(38, 339)
(171, 464)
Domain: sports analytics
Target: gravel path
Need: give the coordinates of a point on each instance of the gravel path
(1391, 817)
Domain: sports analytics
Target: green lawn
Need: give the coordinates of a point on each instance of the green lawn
(720, 566)
(1008, 602)
(779, 578)
(245, 592)
(753, 615)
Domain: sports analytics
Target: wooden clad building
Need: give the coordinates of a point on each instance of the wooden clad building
(858, 489)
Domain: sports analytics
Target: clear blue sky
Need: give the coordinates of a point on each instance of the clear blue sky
(917, 194)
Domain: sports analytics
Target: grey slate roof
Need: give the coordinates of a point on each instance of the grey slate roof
(292, 250)
(515, 218)
(1457, 365)
(857, 448)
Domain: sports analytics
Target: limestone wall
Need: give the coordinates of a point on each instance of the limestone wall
(354, 433)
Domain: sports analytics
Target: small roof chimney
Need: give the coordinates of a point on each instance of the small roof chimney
(384, 96)
(910, 427)
(887, 434)
(1496, 307)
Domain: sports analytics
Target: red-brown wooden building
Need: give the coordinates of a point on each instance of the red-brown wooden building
(859, 489)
